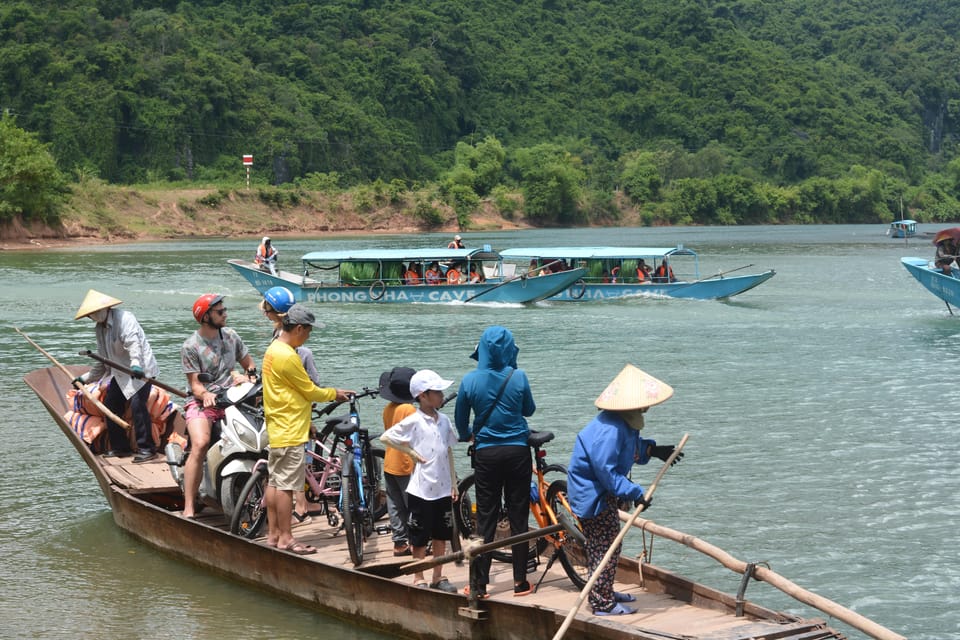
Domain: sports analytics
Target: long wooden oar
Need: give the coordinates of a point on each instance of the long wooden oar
(77, 385)
(129, 372)
(829, 607)
(507, 281)
(616, 543)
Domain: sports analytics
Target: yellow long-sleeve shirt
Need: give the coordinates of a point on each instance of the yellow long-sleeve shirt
(288, 394)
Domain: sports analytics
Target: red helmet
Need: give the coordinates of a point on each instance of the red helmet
(203, 304)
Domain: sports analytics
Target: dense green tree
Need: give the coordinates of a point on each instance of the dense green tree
(31, 185)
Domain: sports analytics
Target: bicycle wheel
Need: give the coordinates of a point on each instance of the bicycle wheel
(466, 516)
(350, 510)
(572, 552)
(374, 486)
(250, 514)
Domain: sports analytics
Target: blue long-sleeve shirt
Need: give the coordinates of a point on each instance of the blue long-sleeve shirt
(603, 454)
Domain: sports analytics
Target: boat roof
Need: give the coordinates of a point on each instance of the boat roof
(897, 223)
(583, 253)
(398, 255)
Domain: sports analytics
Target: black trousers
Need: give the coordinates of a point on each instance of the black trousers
(114, 400)
(502, 476)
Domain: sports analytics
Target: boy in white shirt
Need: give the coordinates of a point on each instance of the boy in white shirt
(428, 438)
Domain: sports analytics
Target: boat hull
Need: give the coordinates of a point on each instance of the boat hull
(944, 286)
(707, 289)
(515, 291)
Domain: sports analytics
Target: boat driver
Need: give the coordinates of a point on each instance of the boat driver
(215, 349)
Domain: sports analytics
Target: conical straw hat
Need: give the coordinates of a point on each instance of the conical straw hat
(94, 302)
(633, 389)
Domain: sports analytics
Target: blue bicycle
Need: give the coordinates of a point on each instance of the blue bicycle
(362, 493)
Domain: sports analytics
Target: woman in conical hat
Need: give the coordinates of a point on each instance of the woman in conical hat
(598, 475)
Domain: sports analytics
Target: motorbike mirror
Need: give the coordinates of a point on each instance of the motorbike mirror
(204, 377)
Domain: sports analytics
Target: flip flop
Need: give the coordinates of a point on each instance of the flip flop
(617, 610)
(300, 549)
(619, 596)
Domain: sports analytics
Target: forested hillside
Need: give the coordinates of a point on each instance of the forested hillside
(692, 111)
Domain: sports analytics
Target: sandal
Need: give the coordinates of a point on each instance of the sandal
(443, 585)
(522, 589)
(616, 610)
(300, 549)
(481, 592)
(619, 596)
(300, 519)
(420, 585)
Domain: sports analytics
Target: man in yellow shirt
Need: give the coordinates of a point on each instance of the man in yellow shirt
(288, 395)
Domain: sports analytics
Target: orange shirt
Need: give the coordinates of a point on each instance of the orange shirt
(395, 462)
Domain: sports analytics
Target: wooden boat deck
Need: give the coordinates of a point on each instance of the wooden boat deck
(146, 503)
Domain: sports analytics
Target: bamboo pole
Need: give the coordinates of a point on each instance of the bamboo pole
(616, 542)
(80, 386)
(129, 372)
(793, 590)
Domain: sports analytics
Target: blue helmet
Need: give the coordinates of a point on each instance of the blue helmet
(280, 298)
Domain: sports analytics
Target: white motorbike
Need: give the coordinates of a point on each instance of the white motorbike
(236, 443)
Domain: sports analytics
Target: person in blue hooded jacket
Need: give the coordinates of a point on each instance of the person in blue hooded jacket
(499, 396)
(598, 475)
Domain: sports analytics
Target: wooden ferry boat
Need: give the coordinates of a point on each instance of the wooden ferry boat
(146, 503)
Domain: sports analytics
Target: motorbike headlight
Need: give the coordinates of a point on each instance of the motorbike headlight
(248, 437)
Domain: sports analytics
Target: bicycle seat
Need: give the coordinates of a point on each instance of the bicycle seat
(342, 427)
(537, 439)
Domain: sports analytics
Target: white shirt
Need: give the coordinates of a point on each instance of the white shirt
(430, 438)
(121, 339)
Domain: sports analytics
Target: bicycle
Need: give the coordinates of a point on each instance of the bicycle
(548, 506)
(360, 501)
(322, 483)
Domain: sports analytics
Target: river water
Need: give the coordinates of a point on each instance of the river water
(821, 409)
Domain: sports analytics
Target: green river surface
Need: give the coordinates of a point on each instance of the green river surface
(821, 407)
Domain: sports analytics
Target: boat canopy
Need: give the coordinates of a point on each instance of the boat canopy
(586, 253)
(400, 255)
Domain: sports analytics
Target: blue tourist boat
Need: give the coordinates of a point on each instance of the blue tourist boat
(615, 272)
(427, 276)
(902, 229)
(943, 285)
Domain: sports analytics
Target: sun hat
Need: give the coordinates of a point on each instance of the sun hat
(633, 389)
(456, 237)
(395, 384)
(427, 380)
(299, 314)
(94, 301)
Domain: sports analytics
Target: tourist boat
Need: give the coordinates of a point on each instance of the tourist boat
(943, 285)
(380, 275)
(146, 503)
(902, 229)
(612, 272)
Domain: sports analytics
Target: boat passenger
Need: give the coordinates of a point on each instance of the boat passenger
(412, 275)
(499, 395)
(476, 273)
(947, 250)
(598, 475)
(275, 304)
(433, 274)
(456, 243)
(215, 349)
(397, 465)
(643, 271)
(664, 273)
(266, 257)
(453, 274)
(428, 438)
(288, 396)
(614, 274)
(121, 339)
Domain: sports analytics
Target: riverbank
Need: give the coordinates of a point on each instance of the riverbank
(99, 214)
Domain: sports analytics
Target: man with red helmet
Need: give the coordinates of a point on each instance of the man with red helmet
(215, 349)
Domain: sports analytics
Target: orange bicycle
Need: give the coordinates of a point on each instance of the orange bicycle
(548, 506)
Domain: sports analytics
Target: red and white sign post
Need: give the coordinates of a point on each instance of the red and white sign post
(248, 162)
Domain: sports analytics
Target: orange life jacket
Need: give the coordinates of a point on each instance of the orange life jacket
(412, 277)
(453, 276)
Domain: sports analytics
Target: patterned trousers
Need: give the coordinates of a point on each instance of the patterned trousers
(600, 533)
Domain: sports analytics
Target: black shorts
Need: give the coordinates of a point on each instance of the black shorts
(429, 520)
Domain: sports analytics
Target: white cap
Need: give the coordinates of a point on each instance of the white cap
(427, 380)
(265, 240)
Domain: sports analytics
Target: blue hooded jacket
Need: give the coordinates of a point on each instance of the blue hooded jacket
(496, 357)
(603, 454)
